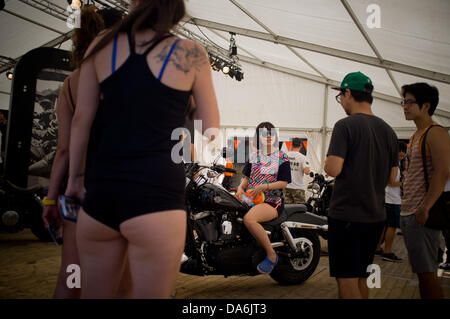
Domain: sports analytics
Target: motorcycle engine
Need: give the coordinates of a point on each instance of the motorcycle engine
(218, 227)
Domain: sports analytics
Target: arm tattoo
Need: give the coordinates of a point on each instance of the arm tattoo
(183, 57)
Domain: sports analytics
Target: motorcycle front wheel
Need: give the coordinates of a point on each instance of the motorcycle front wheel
(298, 270)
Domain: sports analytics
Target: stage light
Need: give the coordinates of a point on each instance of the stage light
(214, 62)
(216, 66)
(232, 73)
(226, 69)
(239, 76)
(227, 66)
(9, 75)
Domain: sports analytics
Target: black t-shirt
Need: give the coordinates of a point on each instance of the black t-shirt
(369, 148)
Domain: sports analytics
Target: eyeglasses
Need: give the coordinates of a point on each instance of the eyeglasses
(408, 102)
(338, 97)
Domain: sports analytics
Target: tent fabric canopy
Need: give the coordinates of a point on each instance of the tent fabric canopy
(290, 51)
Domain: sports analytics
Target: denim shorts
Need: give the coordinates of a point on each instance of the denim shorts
(422, 244)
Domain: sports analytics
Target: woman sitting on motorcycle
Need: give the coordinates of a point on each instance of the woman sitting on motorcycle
(268, 170)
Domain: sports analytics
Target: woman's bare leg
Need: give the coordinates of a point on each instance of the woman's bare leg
(126, 283)
(101, 250)
(69, 255)
(256, 215)
(155, 244)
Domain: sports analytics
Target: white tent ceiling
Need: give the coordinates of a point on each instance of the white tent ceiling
(290, 52)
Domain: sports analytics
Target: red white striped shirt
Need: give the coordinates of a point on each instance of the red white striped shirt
(414, 186)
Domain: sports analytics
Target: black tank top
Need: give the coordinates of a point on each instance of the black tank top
(131, 133)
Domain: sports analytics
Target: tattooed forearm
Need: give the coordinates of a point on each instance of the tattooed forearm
(185, 57)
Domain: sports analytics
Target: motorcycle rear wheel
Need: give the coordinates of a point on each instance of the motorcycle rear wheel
(311, 243)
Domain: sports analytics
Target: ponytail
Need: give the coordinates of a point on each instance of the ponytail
(91, 24)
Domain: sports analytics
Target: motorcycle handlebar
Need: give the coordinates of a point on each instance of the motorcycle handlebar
(319, 178)
(222, 169)
(192, 168)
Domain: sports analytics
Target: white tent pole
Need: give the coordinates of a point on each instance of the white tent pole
(386, 64)
(49, 8)
(238, 46)
(259, 22)
(309, 76)
(61, 39)
(369, 41)
(318, 79)
(324, 128)
(32, 21)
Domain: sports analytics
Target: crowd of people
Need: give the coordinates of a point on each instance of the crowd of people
(130, 230)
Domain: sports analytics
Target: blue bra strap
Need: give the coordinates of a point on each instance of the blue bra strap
(114, 54)
(167, 59)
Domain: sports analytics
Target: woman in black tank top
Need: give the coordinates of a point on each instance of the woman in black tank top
(133, 92)
(91, 24)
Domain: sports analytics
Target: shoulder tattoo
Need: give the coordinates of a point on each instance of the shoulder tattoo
(184, 57)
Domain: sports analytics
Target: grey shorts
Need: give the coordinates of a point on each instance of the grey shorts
(422, 244)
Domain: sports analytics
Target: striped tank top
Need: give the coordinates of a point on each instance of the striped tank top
(414, 186)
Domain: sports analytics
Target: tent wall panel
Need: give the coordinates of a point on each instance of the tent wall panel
(266, 95)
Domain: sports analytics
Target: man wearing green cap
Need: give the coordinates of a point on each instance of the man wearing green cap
(363, 157)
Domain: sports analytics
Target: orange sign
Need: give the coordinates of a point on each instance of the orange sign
(236, 144)
(288, 145)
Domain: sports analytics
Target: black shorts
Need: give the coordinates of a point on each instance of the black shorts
(351, 247)
(279, 208)
(393, 215)
(112, 204)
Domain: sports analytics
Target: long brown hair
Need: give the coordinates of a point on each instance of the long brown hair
(91, 24)
(159, 15)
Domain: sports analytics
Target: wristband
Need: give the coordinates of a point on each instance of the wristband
(48, 202)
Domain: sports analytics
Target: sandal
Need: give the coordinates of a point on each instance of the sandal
(266, 266)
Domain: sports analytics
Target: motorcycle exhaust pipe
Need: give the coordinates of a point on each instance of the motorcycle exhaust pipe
(305, 226)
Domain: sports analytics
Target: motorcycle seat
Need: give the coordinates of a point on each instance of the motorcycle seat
(31, 190)
(295, 208)
(289, 209)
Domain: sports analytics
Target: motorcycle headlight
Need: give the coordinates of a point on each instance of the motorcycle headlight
(315, 188)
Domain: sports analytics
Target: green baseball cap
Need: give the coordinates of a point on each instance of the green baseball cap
(356, 81)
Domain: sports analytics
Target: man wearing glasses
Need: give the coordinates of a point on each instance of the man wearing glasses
(363, 157)
(419, 103)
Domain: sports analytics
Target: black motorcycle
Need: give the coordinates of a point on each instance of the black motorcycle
(22, 208)
(218, 243)
(321, 189)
